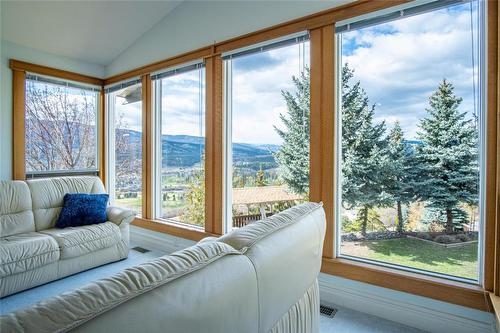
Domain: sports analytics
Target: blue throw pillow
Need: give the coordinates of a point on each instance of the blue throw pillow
(83, 209)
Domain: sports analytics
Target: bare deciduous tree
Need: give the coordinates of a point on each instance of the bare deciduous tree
(60, 128)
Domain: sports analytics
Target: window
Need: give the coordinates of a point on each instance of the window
(180, 112)
(411, 130)
(267, 91)
(61, 127)
(124, 110)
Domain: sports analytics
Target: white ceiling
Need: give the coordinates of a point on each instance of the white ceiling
(91, 31)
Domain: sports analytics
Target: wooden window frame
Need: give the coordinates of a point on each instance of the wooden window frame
(322, 179)
(19, 70)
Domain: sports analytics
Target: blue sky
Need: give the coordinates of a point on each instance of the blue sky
(399, 64)
(258, 81)
(181, 111)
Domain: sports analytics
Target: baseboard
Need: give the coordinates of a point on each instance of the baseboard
(157, 241)
(436, 318)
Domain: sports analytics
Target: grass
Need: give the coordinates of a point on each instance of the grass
(134, 204)
(459, 261)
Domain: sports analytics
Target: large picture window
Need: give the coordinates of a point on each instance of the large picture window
(124, 109)
(180, 112)
(411, 126)
(267, 89)
(61, 127)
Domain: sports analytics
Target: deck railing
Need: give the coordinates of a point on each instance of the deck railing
(242, 220)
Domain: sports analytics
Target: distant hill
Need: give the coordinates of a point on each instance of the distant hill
(185, 150)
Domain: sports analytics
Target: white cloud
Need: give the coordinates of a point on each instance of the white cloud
(257, 99)
(130, 114)
(399, 64)
(400, 70)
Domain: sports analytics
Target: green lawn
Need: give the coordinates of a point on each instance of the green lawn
(134, 204)
(459, 261)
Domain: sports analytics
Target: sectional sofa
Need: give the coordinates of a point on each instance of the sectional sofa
(33, 252)
(260, 278)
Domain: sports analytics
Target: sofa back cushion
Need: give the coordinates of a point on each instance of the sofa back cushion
(286, 251)
(16, 216)
(48, 196)
(187, 291)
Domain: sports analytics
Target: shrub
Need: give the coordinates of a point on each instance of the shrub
(350, 226)
(425, 236)
(445, 239)
(462, 237)
(435, 227)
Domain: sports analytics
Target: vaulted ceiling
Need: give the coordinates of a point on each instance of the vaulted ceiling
(91, 31)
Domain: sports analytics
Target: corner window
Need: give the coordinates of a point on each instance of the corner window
(61, 127)
(411, 118)
(267, 140)
(180, 145)
(124, 111)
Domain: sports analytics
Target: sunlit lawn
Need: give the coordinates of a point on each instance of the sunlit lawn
(459, 261)
(134, 204)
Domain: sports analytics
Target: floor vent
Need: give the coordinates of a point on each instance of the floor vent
(327, 311)
(140, 249)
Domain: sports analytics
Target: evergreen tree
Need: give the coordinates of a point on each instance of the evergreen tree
(259, 178)
(437, 216)
(447, 168)
(399, 180)
(293, 156)
(364, 159)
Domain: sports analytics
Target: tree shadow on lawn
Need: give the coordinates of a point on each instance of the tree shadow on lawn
(422, 252)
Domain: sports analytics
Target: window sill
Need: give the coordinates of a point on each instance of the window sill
(174, 229)
(432, 287)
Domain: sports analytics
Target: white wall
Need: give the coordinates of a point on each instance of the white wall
(195, 24)
(13, 51)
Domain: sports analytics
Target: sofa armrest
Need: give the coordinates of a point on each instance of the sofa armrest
(119, 215)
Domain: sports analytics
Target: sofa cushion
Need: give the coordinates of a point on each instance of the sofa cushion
(65, 312)
(83, 209)
(294, 237)
(16, 216)
(48, 194)
(77, 241)
(245, 238)
(24, 252)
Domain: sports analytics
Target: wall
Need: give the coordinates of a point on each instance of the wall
(195, 24)
(13, 51)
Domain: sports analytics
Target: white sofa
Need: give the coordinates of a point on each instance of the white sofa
(260, 278)
(33, 252)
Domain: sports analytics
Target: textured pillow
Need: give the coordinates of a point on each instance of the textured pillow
(82, 209)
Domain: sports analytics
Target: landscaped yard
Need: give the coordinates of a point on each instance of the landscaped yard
(460, 261)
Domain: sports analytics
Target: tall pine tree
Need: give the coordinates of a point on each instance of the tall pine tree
(364, 159)
(447, 167)
(399, 180)
(293, 155)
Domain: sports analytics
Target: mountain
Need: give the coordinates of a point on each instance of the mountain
(185, 150)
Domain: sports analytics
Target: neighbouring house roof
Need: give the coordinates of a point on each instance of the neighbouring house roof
(263, 194)
(131, 94)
